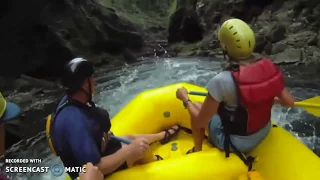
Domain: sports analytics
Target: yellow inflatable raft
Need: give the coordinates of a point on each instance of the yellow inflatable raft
(279, 157)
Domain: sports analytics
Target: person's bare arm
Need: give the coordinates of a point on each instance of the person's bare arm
(202, 117)
(208, 109)
(285, 99)
(110, 163)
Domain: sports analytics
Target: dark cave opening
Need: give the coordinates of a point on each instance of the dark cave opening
(191, 29)
(185, 26)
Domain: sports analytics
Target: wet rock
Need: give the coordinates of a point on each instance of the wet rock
(289, 56)
(22, 85)
(316, 55)
(295, 27)
(299, 40)
(311, 50)
(278, 25)
(21, 98)
(312, 41)
(276, 33)
(300, 44)
(278, 48)
(268, 48)
(261, 42)
(304, 129)
(283, 17)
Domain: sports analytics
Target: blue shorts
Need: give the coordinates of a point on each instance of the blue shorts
(242, 143)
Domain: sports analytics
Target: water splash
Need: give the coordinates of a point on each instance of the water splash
(117, 88)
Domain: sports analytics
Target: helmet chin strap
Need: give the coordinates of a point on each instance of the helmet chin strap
(89, 95)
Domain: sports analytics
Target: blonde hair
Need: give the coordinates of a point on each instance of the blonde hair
(242, 62)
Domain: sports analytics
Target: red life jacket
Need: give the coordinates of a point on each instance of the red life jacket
(257, 86)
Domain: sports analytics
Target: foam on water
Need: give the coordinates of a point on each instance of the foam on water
(117, 88)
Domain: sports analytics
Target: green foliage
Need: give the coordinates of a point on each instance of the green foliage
(143, 12)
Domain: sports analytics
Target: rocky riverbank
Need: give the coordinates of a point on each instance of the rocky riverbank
(38, 38)
(286, 30)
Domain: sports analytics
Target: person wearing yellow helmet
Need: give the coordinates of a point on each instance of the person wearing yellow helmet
(237, 40)
(237, 109)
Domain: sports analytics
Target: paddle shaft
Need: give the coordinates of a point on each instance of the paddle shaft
(125, 141)
(302, 104)
(148, 155)
(198, 93)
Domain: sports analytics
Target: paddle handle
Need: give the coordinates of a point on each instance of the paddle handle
(198, 93)
(125, 141)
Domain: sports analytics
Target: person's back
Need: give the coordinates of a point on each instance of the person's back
(237, 110)
(249, 85)
(79, 132)
(76, 130)
(70, 124)
(245, 132)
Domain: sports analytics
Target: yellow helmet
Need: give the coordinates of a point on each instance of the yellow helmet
(237, 38)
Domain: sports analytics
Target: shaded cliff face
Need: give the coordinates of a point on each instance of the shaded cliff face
(42, 35)
(286, 30)
(38, 37)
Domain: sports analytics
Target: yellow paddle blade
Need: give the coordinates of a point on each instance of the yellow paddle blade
(311, 105)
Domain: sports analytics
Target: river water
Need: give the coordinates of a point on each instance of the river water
(116, 88)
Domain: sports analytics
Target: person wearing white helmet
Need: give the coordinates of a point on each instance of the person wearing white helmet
(237, 109)
(79, 132)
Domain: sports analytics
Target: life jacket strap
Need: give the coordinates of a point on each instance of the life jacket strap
(247, 160)
(51, 121)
